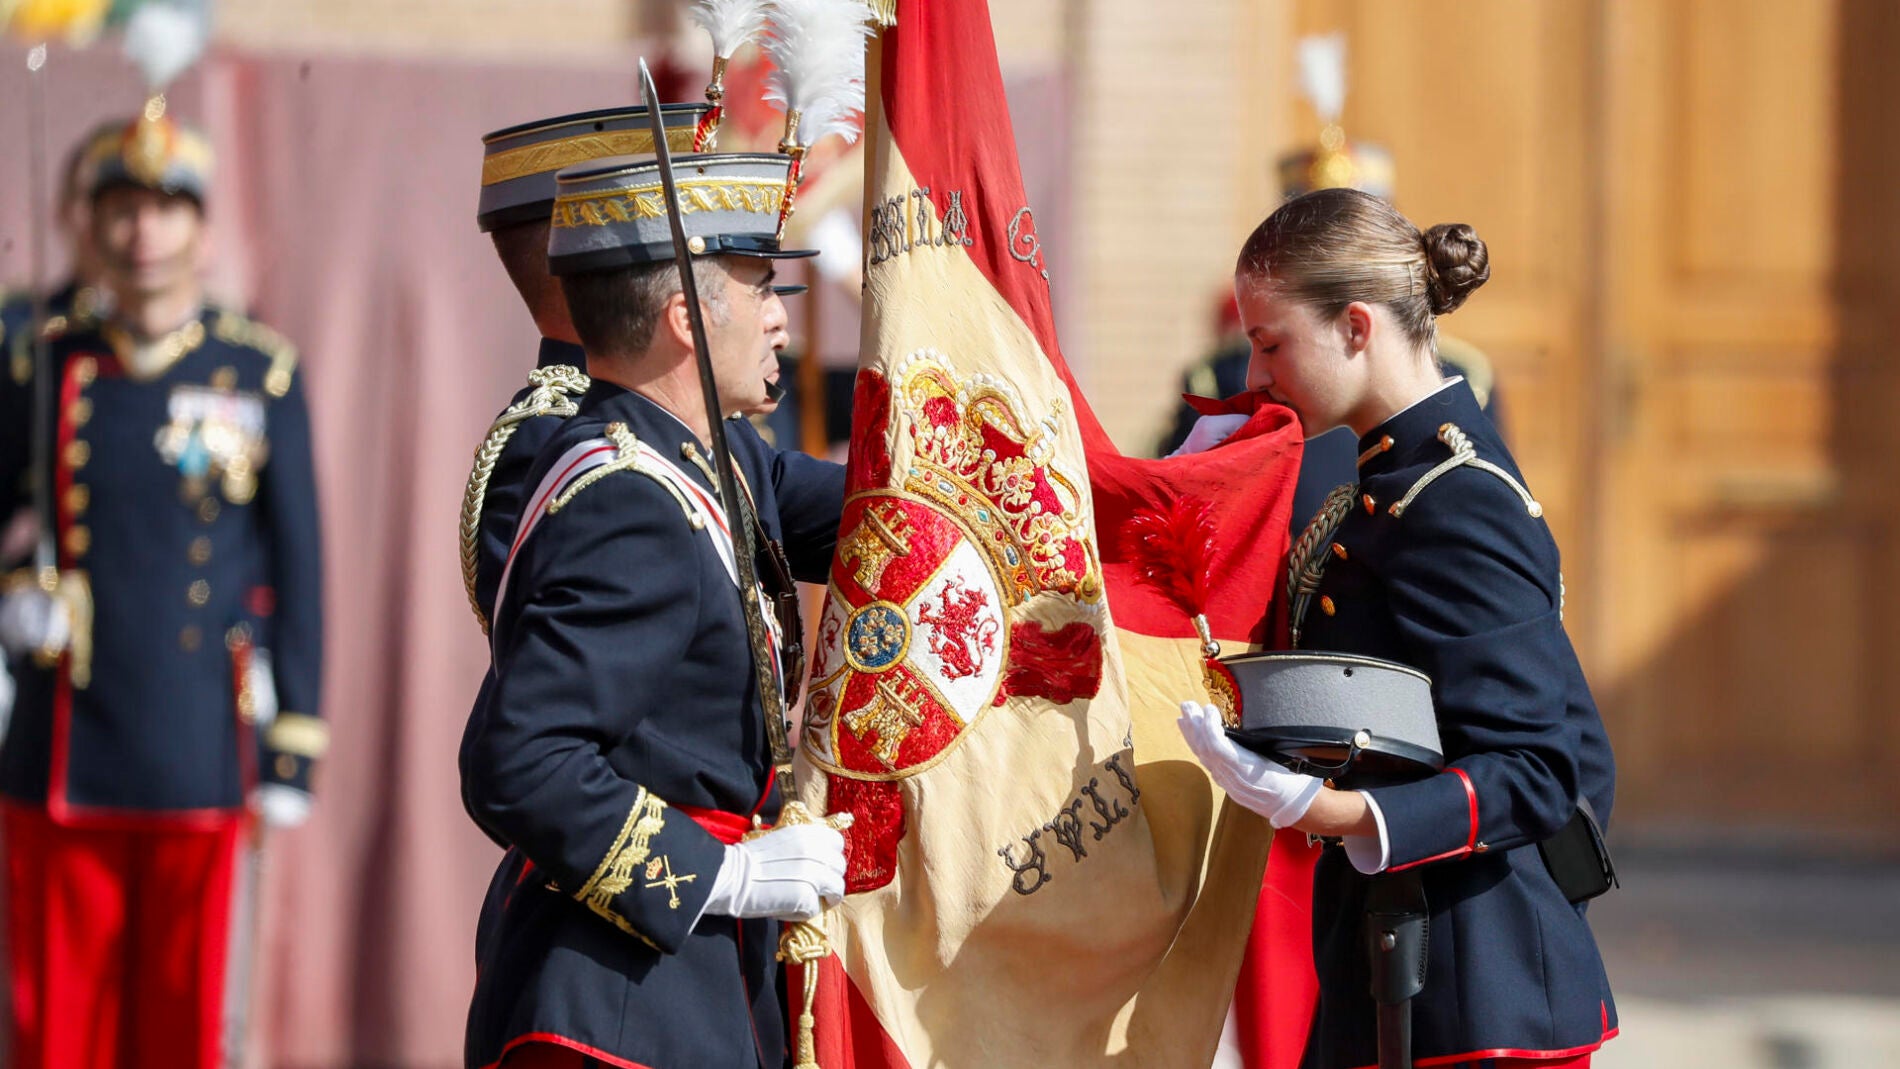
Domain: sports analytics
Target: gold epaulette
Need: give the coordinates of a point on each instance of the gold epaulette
(1463, 454)
(235, 329)
(552, 393)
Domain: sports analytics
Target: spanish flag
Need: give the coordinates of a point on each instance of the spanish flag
(1039, 874)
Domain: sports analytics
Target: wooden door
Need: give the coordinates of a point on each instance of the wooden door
(1692, 313)
(1747, 544)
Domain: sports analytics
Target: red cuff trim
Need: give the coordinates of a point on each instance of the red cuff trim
(1471, 800)
(1512, 1052)
(561, 1041)
(1471, 840)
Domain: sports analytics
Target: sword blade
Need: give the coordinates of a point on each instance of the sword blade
(745, 548)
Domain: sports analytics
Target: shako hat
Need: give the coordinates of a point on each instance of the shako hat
(612, 213)
(520, 162)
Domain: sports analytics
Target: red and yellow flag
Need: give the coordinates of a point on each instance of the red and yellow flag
(1039, 873)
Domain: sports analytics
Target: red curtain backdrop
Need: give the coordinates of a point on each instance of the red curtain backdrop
(343, 215)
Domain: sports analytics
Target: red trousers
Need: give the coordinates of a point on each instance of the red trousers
(119, 941)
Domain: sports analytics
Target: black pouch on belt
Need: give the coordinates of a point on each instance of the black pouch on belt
(1578, 858)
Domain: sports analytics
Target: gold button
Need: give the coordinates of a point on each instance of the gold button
(198, 593)
(1366, 500)
(225, 378)
(78, 454)
(238, 635)
(85, 369)
(1326, 606)
(78, 499)
(1339, 551)
(189, 639)
(200, 552)
(208, 509)
(80, 412)
(78, 540)
(696, 244)
(286, 766)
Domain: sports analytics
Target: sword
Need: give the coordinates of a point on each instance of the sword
(803, 943)
(745, 547)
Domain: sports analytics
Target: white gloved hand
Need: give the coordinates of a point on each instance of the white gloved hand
(791, 874)
(282, 806)
(34, 622)
(1210, 431)
(1257, 782)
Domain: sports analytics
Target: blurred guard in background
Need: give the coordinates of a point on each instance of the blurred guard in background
(82, 295)
(168, 667)
(1334, 163)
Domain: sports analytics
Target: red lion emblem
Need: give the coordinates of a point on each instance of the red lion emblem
(960, 640)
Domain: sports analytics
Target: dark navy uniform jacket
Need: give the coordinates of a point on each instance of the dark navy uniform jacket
(186, 502)
(1463, 584)
(624, 702)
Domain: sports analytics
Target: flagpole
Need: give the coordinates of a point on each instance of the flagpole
(814, 436)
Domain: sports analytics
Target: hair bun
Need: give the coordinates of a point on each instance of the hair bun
(1456, 262)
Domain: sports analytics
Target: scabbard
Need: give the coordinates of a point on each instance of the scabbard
(1396, 934)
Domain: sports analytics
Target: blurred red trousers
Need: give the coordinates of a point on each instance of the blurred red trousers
(119, 941)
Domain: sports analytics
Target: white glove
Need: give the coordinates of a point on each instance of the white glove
(1210, 431)
(6, 699)
(791, 874)
(262, 683)
(282, 806)
(33, 621)
(1259, 783)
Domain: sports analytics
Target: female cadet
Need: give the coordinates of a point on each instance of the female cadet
(1437, 558)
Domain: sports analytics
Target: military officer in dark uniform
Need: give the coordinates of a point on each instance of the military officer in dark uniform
(621, 753)
(168, 666)
(517, 197)
(83, 294)
(1437, 558)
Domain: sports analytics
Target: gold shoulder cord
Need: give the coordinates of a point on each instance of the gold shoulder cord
(552, 395)
(1463, 454)
(1306, 563)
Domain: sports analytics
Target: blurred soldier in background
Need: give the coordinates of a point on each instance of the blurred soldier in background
(168, 664)
(82, 293)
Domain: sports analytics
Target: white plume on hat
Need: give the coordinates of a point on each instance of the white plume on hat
(817, 48)
(1322, 74)
(731, 24)
(165, 39)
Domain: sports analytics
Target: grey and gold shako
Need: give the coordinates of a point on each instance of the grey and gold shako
(613, 213)
(519, 163)
(1364, 720)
